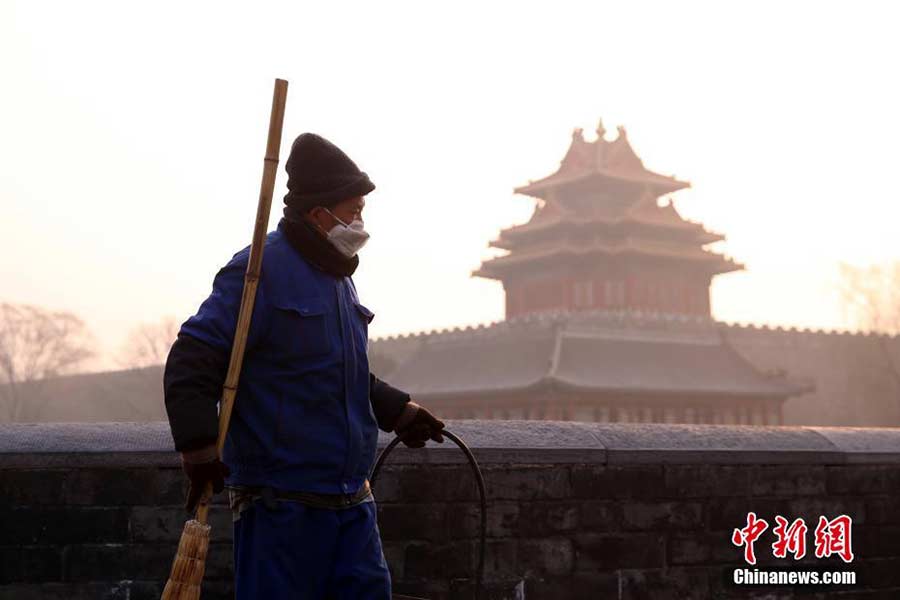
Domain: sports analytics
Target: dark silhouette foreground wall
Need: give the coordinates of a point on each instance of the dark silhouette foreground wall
(576, 510)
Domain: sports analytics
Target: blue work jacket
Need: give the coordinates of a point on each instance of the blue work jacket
(302, 418)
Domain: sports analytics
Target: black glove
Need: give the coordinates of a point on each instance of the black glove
(199, 474)
(422, 427)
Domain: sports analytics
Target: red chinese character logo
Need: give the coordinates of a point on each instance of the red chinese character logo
(790, 539)
(833, 537)
(748, 535)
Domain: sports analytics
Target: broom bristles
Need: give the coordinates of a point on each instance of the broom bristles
(190, 562)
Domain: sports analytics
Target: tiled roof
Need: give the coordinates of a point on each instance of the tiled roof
(131, 394)
(585, 354)
(508, 362)
(630, 245)
(687, 367)
(601, 158)
(662, 217)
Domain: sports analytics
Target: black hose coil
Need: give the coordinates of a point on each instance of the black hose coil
(479, 576)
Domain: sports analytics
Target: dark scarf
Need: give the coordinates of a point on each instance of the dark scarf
(315, 248)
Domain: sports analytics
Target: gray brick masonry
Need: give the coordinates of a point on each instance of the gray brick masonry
(576, 510)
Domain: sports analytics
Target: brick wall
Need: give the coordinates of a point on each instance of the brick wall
(576, 510)
(853, 374)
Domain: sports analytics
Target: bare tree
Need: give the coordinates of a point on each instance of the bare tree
(35, 344)
(871, 296)
(148, 344)
(871, 300)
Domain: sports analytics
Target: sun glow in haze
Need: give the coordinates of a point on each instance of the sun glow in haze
(132, 141)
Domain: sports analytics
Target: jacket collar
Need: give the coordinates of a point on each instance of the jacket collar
(316, 249)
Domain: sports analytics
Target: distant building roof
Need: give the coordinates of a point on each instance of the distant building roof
(127, 395)
(680, 253)
(601, 160)
(647, 214)
(581, 355)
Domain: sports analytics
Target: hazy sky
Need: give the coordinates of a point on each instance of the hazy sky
(132, 138)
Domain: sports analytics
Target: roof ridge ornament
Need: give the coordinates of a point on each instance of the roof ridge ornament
(601, 130)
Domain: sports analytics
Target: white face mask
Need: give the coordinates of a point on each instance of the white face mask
(348, 239)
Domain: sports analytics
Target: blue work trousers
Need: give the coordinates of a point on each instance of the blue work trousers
(296, 552)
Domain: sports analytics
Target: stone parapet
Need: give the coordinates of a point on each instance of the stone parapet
(575, 510)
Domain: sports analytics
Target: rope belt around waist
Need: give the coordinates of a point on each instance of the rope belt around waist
(241, 496)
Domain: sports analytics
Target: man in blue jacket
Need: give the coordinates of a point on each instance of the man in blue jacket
(304, 426)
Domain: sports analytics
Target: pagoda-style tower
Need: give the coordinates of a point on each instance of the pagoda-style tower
(600, 238)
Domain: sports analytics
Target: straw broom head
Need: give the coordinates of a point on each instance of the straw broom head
(190, 561)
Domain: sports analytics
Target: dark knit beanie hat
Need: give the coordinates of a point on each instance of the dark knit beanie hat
(320, 174)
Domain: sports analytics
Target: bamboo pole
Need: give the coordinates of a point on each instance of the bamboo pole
(190, 561)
